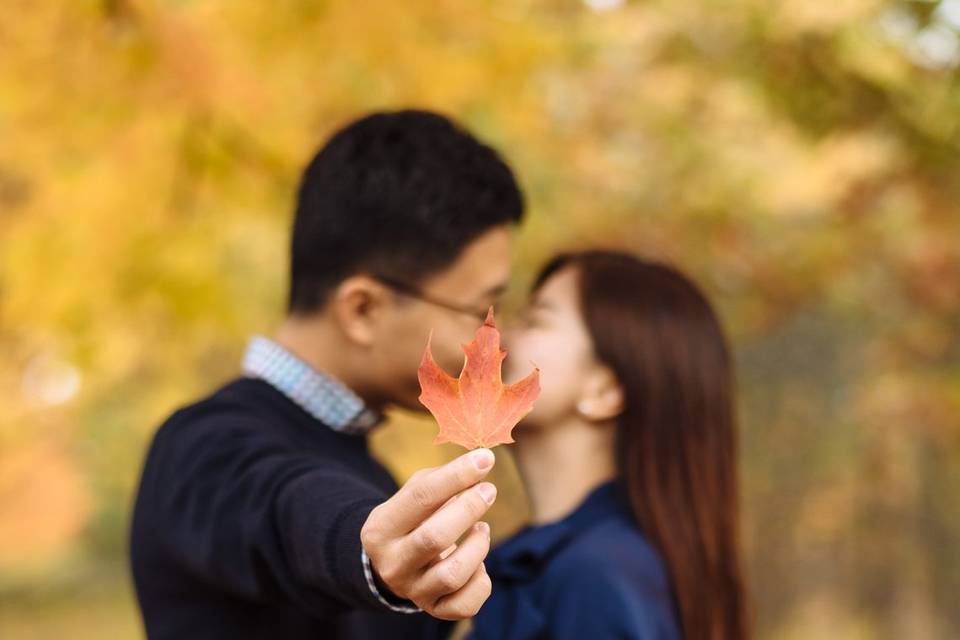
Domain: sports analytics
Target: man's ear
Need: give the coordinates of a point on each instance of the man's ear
(602, 399)
(357, 306)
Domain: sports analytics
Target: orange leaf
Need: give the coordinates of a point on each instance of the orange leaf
(476, 410)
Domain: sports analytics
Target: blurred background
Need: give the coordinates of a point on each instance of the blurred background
(799, 158)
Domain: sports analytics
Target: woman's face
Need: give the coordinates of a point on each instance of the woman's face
(550, 333)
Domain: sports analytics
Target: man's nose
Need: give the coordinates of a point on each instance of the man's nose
(507, 336)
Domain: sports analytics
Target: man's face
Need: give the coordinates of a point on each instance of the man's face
(476, 281)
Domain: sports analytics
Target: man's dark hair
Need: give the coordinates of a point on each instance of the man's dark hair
(397, 194)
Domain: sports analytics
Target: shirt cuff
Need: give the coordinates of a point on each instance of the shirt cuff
(368, 573)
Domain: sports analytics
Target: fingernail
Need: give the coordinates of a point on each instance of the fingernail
(482, 459)
(487, 491)
(483, 528)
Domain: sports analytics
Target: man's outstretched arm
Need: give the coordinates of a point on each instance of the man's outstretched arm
(241, 512)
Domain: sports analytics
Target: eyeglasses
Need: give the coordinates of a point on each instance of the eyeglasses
(417, 293)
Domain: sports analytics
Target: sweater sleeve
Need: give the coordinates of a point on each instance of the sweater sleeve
(244, 512)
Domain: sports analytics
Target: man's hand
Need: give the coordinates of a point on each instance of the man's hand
(411, 538)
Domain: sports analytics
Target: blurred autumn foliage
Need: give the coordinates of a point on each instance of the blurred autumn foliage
(801, 159)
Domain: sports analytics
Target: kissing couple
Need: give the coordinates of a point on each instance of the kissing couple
(262, 514)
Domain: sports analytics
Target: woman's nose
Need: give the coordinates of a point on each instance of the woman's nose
(506, 335)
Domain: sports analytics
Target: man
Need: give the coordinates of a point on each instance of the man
(260, 512)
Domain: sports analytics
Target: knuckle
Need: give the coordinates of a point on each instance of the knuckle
(377, 518)
(418, 475)
(449, 574)
(390, 575)
(428, 540)
(421, 494)
(370, 535)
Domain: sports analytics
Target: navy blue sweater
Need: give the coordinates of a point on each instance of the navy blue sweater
(589, 575)
(247, 525)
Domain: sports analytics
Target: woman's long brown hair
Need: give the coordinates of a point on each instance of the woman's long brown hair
(676, 437)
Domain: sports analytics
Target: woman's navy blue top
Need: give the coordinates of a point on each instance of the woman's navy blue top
(590, 575)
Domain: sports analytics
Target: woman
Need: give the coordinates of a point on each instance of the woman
(629, 461)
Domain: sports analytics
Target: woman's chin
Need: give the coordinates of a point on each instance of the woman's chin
(523, 428)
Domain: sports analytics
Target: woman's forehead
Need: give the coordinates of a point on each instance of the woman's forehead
(559, 288)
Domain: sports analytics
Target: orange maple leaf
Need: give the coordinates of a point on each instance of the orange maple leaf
(476, 410)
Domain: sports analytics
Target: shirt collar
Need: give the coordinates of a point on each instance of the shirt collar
(523, 555)
(319, 394)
